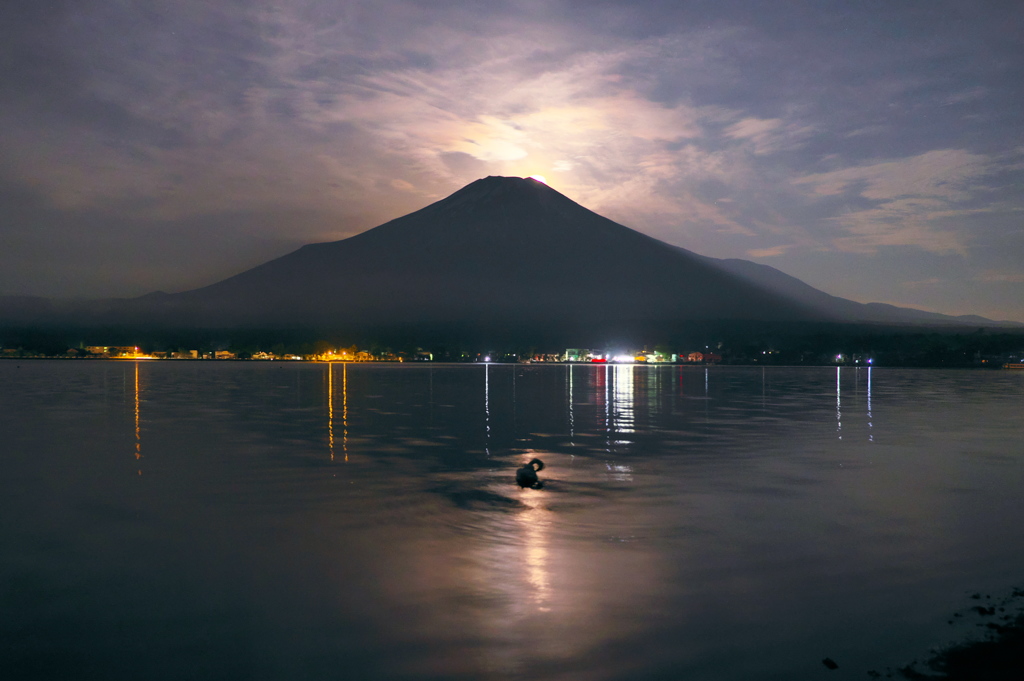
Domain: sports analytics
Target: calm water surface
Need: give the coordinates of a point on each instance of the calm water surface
(218, 520)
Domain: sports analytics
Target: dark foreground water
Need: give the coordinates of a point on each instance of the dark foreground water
(214, 520)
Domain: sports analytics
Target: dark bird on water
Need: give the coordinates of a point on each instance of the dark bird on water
(526, 476)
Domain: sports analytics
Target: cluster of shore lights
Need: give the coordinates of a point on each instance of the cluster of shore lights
(627, 358)
(840, 358)
(137, 354)
(638, 358)
(348, 356)
(613, 358)
(335, 356)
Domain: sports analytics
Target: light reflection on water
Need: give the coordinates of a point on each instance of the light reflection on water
(622, 401)
(713, 523)
(138, 416)
(535, 523)
(330, 392)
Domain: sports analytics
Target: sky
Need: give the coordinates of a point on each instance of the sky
(874, 150)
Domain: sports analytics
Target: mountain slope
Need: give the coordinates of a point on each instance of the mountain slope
(842, 308)
(506, 254)
(500, 250)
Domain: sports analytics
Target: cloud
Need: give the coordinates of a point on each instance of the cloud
(914, 201)
(565, 118)
(768, 135)
(772, 252)
(994, 276)
(322, 114)
(968, 95)
(303, 107)
(924, 283)
(943, 173)
(592, 132)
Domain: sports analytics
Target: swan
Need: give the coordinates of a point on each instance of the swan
(526, 476)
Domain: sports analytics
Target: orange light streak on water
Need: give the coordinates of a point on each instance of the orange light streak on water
(330, 408)
(138, 413)
(344, 409)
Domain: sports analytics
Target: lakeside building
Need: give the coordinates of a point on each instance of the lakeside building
(704, 357)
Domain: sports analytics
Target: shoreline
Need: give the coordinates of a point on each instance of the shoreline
(998, 656)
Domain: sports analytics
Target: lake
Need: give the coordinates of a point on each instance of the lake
(291, 520)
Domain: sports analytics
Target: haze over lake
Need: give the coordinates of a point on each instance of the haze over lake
(291, 520)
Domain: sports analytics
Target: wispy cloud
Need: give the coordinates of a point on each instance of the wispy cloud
(993, 276)
(921, 283)
(768, 135)
(772, 252)
(913, 200)
(968, 95)
(943, 173)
